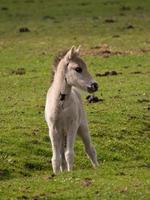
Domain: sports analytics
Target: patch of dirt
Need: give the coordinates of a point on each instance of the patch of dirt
(125, 8)
(109, 73)
(22, 197)
(84, 4)
(130, 26)
(137, 184)
(41, 196)
(103, 49)
(121, 173)
(33, 166)
(25, 174)
(126, 66)
(117, 97)
(86, 182)
(52, 176)
(116, 36)
(35, 131)
(110, 20)
(106, 51)
(93, 99)
(4, 8)
(136, 72)
(24, 30)
(29, 1)
(145, 50)
(123, 190)
(143, 101)
(36, 198)
(19, 71)
(132, 117)
(48, 17)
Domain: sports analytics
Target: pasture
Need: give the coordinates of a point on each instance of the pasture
(115, 39)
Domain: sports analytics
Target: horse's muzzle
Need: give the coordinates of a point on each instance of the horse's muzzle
(92, 88)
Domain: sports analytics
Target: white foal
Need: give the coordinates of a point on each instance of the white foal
(64, 111)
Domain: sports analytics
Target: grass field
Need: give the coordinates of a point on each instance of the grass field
(115, 36)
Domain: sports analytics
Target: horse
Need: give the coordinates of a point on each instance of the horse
(64, 111)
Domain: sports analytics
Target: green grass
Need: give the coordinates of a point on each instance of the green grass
(119, 126)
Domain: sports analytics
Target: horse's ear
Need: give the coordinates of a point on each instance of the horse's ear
(70, 53)
(78, 50)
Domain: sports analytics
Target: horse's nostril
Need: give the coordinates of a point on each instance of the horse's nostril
(94, 86)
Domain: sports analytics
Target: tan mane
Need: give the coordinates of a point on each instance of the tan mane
(58, 58)
(56, 61)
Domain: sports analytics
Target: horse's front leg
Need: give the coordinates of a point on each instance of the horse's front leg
(90, 150)
(56, 146)
(63, 165)
(69, 153)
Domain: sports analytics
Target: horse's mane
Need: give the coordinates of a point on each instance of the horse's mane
(56, 61)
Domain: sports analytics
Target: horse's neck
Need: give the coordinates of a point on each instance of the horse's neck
(60, 84)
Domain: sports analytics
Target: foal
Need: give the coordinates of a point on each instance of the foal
(64, 111)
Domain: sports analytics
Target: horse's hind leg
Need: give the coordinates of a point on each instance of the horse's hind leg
(90, 150)
(55, 141)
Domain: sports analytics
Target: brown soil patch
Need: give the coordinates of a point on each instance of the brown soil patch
(86, 182)
(109, 73)
(110, 20)
(18, 71)
(24, 29)
(105, 50)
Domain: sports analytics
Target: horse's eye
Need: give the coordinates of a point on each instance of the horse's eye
(78, 69)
